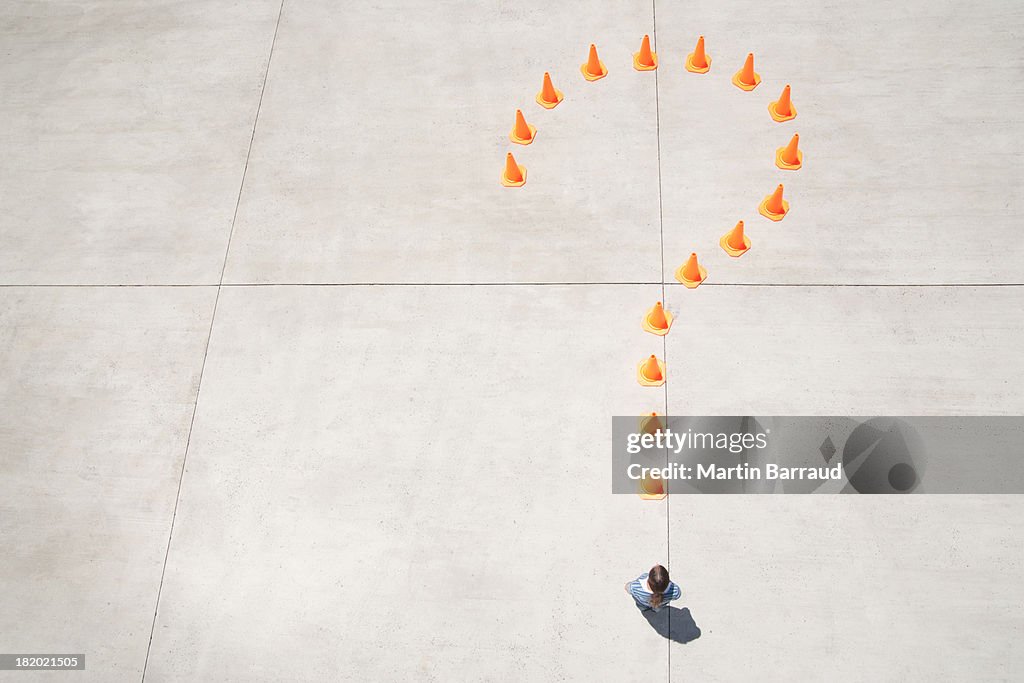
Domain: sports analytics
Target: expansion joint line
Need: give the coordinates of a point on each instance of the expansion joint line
(661, 277)
(209, 336)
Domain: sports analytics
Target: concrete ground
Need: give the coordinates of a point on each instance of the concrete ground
(293, 389)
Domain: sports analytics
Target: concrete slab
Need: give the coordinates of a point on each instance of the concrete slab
(845, 351)
(891, 588)
(97, 387)
(125, 130)
(381, 145)
(842, 587)
(364, 499)
(908, 117)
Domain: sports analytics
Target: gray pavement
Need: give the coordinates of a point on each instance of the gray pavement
(292, 389)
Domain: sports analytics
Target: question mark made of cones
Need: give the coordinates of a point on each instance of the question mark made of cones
(594, 69)
(645, 60)
(549, 97)
(774, 207)
(735, 242)
(790, 158)
(691, 273)
(746, 78)
(522, 132)
(651, 488)
(782, 109)
(651, 372)
(657, 321)
(514, 175)
(698, 61)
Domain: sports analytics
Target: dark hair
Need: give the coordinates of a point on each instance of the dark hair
(657, 581)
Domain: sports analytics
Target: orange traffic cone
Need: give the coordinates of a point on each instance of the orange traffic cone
(651, 424)
(645, 60)
(522, 133)
(790, 158)
(746, 78)
(594, 69)
(548, 97)
(697, 61)
(735, 242)
(782, 109)
(657, 321)
(774, 207)
(691, 273)
(651, 488)
(514, 175)
(651, 372)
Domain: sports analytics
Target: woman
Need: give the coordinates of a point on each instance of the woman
(653, 590)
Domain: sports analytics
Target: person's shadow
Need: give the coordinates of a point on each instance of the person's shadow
(673, 623)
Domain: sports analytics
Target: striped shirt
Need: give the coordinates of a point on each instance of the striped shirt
(640, 591)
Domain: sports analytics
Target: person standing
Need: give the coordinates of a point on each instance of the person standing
(653, 590)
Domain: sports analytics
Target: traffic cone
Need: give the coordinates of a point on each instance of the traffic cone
(651, 372)
(657, 321)
(548, 97)
(651, 488)
(645, 60)
(697, 61)
(790, 158)
(651, 424)
(746, 78)
(774, 207)
(594, 69)
(522, 133)
(691, 273)
(782, 109)
(514, 175)
(735, 242)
